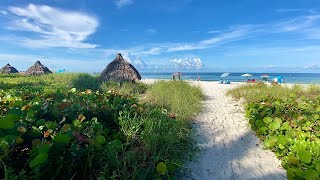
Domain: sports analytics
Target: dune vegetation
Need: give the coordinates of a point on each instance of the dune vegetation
(73, 126)
(286, 119)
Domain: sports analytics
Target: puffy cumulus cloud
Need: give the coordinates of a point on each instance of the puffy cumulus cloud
(195, 63)
(122, 3)
(135, 61)
(54, 27)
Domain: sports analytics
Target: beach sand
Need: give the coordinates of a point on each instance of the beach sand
(229, 148)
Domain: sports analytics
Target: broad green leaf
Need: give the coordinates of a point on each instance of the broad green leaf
(51, 125)
(259, 123)
(290, 172)
(13, 117)
(100, 139)
(38, 160)
(263, 130)
(40, 122)
(44, 148)
(162, 168)
(305, 156)
(311, 174)
(299, 172)
(318, 167)
(274, 125)
(267, 120)
(6, 123)
(62, 138)
(282, 140)
(285, 126)
(76, 123)
(293, 160)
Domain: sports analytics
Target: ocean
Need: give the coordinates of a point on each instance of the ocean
(301, 78)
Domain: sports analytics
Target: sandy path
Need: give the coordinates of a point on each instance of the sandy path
(229, 148)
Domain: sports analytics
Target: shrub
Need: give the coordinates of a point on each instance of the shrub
(287, 121)
(53, 130)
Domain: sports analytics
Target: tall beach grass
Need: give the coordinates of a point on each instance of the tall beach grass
(178, 97)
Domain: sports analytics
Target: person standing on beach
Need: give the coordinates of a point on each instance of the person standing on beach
(198, 77)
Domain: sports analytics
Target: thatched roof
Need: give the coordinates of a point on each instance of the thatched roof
(38, 69)
(120, 70)
(8, 69)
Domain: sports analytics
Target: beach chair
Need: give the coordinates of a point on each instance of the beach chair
(227, 82)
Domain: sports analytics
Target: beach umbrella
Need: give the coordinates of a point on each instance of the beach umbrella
(225, 75)
(265, 77)
(61, 71)
(246, 75)
(280, 79)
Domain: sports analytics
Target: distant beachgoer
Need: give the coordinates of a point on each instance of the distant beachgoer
(198, 77)
(221, 81)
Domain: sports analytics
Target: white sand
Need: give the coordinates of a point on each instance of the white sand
(229, 148)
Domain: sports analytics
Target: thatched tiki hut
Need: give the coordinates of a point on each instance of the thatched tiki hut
(119, 70)
(38, 69)
(8, 69)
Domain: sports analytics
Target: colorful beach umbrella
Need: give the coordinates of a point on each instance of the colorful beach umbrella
(279, 79)
(225, 75)
(246, 75)
(61, 71)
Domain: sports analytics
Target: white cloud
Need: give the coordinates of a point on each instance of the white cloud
(234, 34)
(3, 12)
(194, 63)
(54, 27)
(122, 3)
(289, 10)
(305, 26)
(298, 23)
(135, 60)
(151, 32)
(314, 66)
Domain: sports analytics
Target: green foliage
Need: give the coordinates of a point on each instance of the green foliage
(178, 97)
(54, 126)
(287, 121)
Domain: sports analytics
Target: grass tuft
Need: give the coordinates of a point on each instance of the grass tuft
(178, 97)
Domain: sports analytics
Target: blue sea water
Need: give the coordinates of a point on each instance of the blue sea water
(301, 78)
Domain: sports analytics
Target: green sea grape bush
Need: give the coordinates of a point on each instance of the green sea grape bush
(290, 127)
(74, 134)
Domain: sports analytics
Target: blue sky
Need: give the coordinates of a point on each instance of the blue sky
(162, 35)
